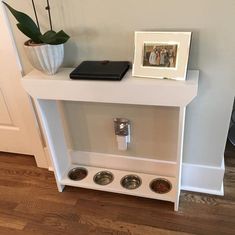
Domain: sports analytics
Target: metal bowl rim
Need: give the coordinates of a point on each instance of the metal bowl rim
(103, 172)
(163, 179)
(77, 168)
(131, 175)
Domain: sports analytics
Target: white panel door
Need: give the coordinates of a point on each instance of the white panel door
(19, 132)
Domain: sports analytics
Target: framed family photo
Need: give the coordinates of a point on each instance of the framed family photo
(161, 54)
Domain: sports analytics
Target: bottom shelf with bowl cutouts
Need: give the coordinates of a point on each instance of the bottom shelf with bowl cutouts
(111, 180)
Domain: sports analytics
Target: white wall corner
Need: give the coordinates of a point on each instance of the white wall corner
(203, 178)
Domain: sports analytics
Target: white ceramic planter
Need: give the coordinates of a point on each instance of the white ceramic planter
(44, 57)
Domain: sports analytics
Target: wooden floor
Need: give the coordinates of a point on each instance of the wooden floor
(31, 204)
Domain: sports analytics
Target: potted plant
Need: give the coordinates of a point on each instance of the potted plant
(44, 50)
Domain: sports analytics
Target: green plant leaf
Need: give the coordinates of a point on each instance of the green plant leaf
(28, 27)
(53, 38)
(48, 35)
(29, 32)
(24, 20)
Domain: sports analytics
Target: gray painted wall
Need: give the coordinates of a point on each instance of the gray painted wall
(153, 129)
(104, 29)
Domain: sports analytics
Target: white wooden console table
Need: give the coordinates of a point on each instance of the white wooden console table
(48, 90)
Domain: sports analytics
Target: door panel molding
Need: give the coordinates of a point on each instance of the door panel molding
(18, 127)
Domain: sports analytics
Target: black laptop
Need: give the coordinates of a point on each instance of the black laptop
(101, 70)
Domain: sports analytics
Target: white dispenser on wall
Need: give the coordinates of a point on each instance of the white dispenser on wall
(122, 132)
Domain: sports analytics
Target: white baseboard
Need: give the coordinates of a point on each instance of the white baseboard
(203, 190)
(203, 179)
(50, 168)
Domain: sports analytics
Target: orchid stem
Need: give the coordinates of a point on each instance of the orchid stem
(49, 13)
(35, 13)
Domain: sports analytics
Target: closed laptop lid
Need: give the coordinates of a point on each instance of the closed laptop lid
(100, 69)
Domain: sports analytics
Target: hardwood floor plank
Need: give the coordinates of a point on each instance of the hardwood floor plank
(9, 221)
(83, 216)
(17, 159)
(57, 226)
(125, 227)
(9, 231)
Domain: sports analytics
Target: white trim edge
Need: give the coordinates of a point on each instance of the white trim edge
(125, 163)
(203, 190)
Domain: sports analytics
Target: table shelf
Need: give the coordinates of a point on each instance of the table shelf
(130, 90)
(48, 91)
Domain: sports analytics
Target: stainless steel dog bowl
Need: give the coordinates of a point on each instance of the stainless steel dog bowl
(103, 178)
(77, 173)
(131, 182)
(160, 186)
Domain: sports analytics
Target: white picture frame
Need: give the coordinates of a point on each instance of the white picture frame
(171, 51)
